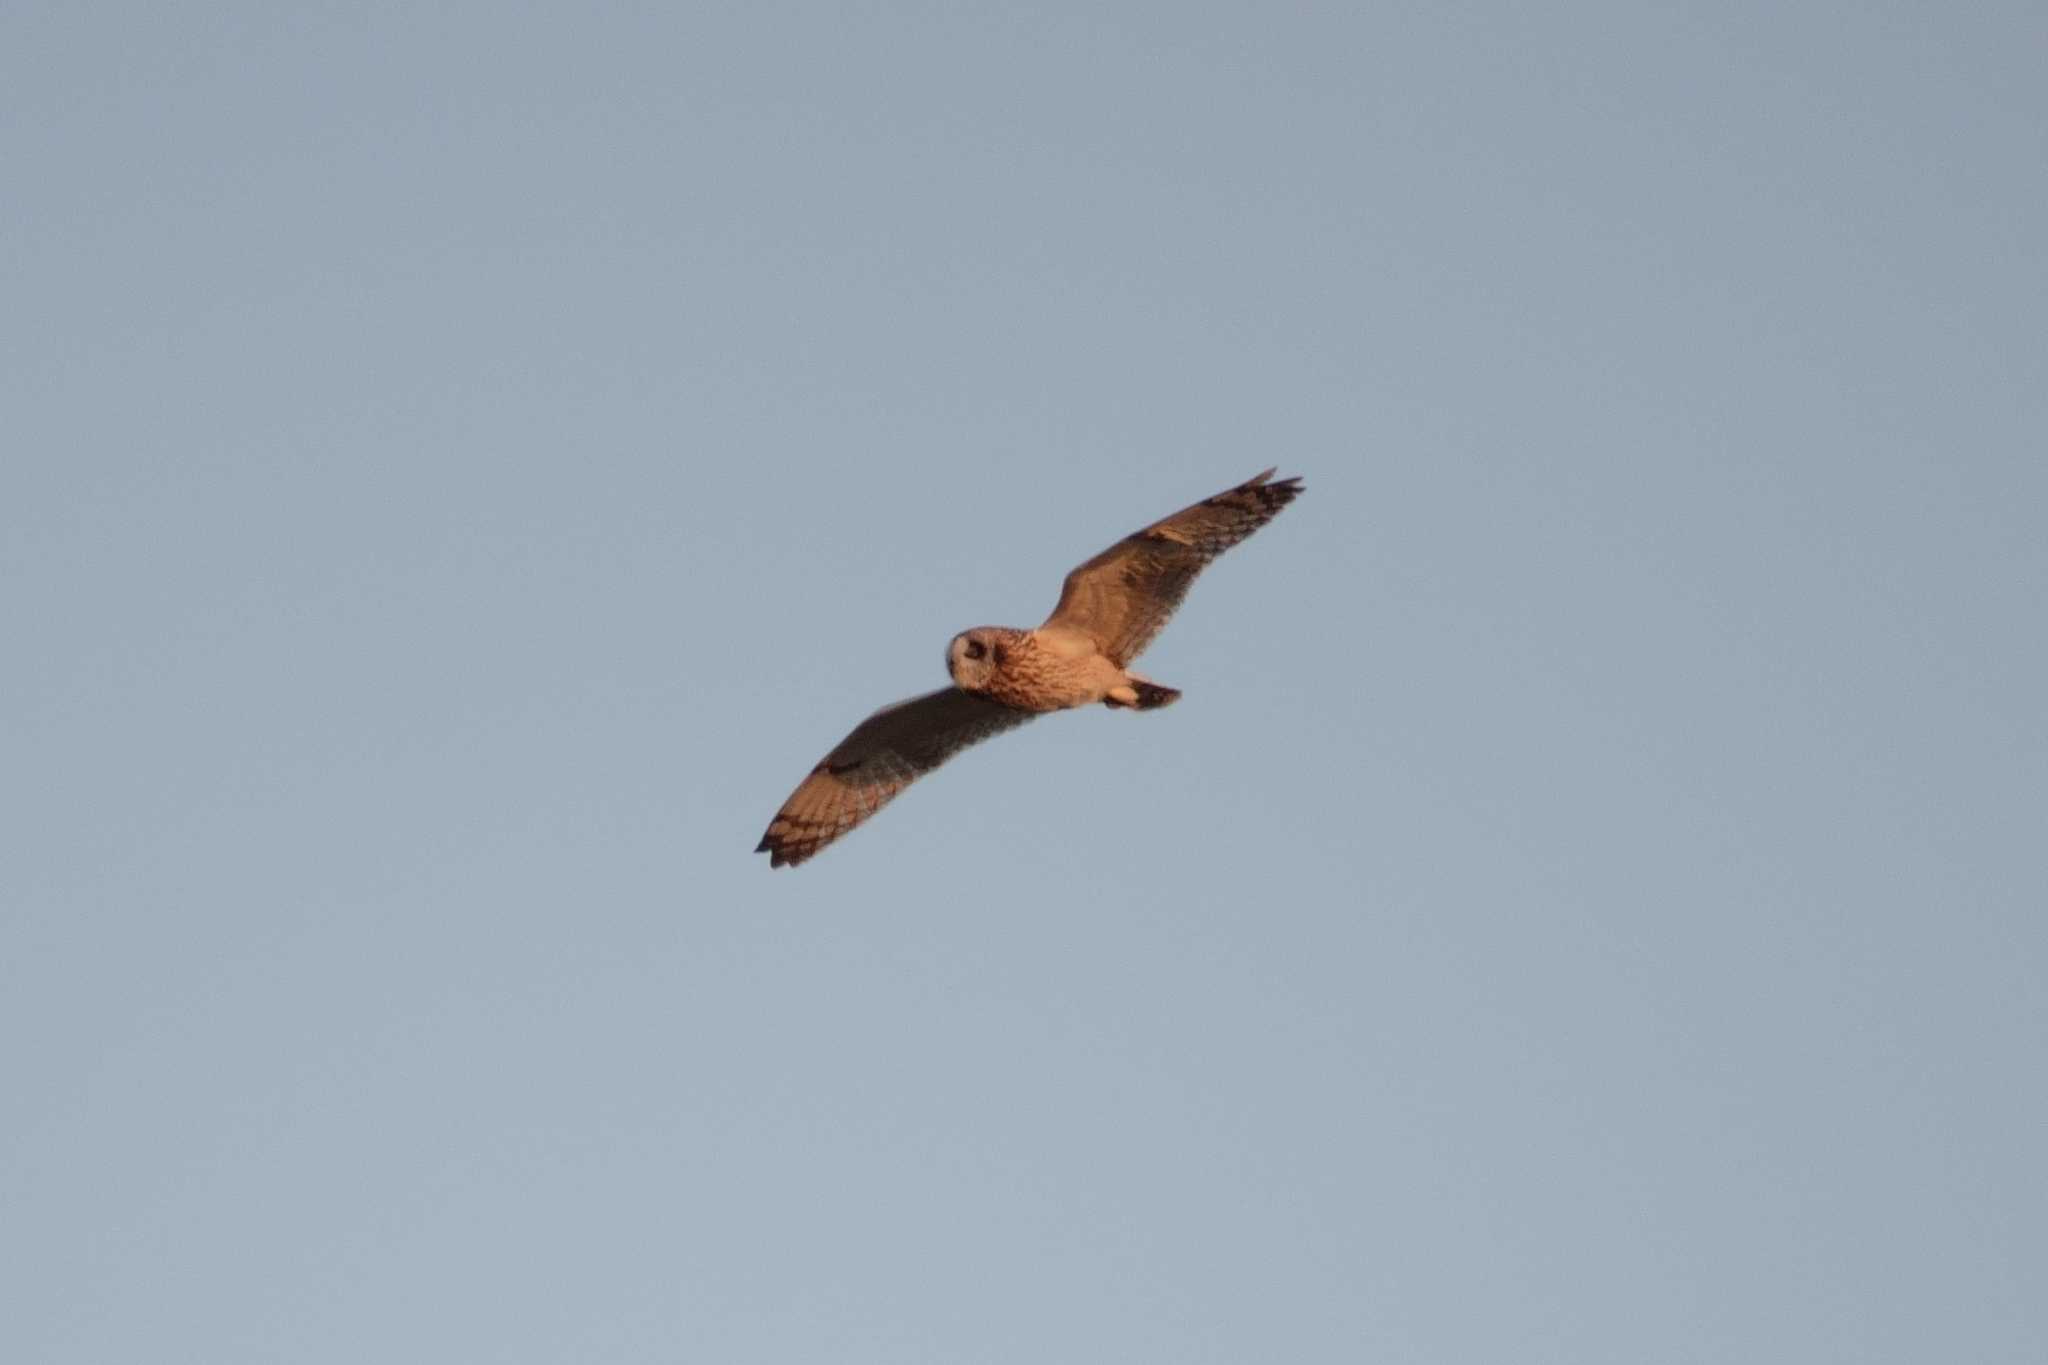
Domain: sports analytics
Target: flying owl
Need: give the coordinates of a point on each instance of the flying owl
(1109, 609)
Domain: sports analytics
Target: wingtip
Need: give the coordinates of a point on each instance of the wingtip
(1276, 495)
(780, 853)
(1292, 484)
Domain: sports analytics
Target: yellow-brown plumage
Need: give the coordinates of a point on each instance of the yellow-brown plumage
(1110, 608)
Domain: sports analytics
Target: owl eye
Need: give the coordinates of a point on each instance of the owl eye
(975, 649)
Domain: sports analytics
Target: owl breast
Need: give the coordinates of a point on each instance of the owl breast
(1032, 677)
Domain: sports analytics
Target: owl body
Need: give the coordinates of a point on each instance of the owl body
(1034, 670)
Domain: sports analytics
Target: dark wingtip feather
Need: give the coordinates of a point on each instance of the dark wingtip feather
(783, 851)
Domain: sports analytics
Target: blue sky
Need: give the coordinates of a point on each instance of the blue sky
(463, 467)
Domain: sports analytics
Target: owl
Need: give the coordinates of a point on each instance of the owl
(1110, 608)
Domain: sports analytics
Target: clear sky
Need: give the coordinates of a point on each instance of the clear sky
(463, 463)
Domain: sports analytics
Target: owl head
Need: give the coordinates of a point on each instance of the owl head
(975, 655)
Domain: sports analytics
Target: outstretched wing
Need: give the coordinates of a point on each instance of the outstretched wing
(884, 754)
(1125, 595)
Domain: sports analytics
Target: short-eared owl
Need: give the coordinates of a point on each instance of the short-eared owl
(1109, 610)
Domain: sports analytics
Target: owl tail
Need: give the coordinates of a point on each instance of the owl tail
(1146, 696)
(1151, 695)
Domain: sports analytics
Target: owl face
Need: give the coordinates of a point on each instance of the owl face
(974, 656)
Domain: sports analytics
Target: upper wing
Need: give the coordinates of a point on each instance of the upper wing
(884, 754)
(1123, 596)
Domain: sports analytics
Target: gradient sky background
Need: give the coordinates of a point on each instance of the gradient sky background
(464, 463)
